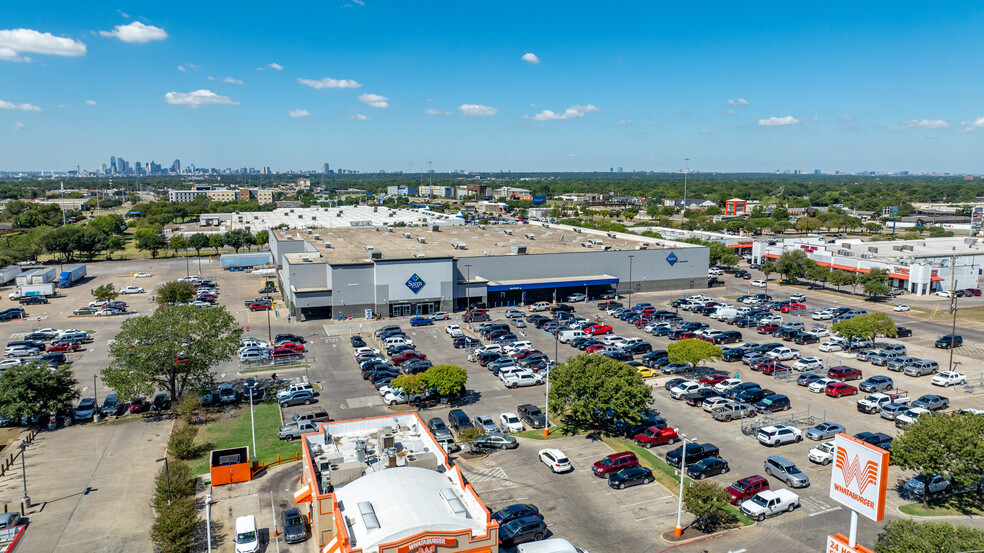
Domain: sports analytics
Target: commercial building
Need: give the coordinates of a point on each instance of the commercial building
(317, 218)
(261, 195)
(406, 271)
(384, 485)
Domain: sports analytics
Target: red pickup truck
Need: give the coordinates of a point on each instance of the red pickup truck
(656, 436)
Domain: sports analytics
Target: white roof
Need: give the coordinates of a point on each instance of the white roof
(405, 502)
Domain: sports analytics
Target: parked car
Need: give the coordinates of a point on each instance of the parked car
(877, 383)
(778, 435)
(615, 462)
(495, 440)
(294, 526)
(710, 466)
(515, 511)
(633, 476)
(824, 431)
(948, 378)
(556, 460)
(746, 487)
(950, 341)
(299, 397)
(787, 471)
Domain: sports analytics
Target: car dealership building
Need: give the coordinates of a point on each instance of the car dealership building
(421, 270)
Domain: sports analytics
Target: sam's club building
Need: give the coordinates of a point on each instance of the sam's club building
(421, 270)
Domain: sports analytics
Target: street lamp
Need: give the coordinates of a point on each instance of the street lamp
(26, 500)
(251, 387)
(167, 473)
(630, 280)
(678, 530)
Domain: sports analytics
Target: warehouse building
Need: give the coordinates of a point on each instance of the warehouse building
(320, 217)
(406, 271)
(384, 485)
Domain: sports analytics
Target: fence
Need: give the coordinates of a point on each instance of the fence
(262, 466)
(11, 457)
(802, 420)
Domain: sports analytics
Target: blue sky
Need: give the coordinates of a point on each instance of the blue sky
(372, 84)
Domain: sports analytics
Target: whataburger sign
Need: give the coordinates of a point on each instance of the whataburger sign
(428, 545)
(860, 476)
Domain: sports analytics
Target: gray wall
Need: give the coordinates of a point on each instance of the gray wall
(280, 247)
(352, 288)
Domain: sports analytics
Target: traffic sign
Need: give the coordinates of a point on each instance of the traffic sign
(247, 329)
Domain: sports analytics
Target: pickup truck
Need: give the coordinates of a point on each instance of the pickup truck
(874, 403)
(454, 331)
(294, 430)
(734, 410)
(770, 503)
(313, 415)
(695, 452)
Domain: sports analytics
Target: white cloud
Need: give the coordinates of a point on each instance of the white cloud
(197, 98)
(211, 78)
(678, 110)
(136, 32)
(182, 69)
(123, 13)
(434, 111)
(926, 123)
(358, 117)
(530, 57)
(92, 102)
(705, 131)
(359, 2)
(18, 107)
(328, 82)
(62, 105)
(569, 113)
(299, 113)
(778, 121)
(731, 112)
(738, 102)
(846, 117)
(811, 118)
(13, 42)
(374, 100)
(623, 122)
(231, 80)
(18, 126)
(276, 66)
(477, 109)
(970, 126)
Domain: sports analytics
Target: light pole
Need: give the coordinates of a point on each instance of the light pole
(546, 413)
(467, 286)
(630, 281)
(678, 530)
(167, 474)
(269, 332)
(252, 426)
(26, 500)
(953, 304)
(95, 395)
(686, 173)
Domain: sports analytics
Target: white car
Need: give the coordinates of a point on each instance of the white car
(397, 396)
(441, 316)
(901, 307)
(943, 293)
(820, 331)
(779, 434)
(783, 354)
(830, 346)
(798, 298)
(514, 314)
(98, 303)
(910, 416)
(141, 275)
(823, 315)
(808, 364)
(948, 378)
(683, 388)
(556, 460)
(712, 402)
(131, 290)
(10, 362)
(654, 325)
(823, 454)
(454, 331)
(727, 384)
(771, 319)
(820, 386)
(365, 350)
(758, 283)
(509, 422)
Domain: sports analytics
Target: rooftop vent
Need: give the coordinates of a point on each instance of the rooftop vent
(421, 239)
(872, 249)
(577, 230)
(459, 245)
(586, 244)
(530, 236)
(611, 235)
(419, 254)
(507, 232)
(487, 252)
(368, 515)
(454, 503)
(519, 249)
(642, 246)
(407, 235)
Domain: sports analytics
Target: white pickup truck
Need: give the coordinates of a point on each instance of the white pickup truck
(874, 402)
(770, 503)
(454, 331)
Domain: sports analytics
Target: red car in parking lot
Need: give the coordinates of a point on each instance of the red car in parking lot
(595, 347)
(839, 389)
(974, 291)
(844, 373)
(258, 307)
(62, 347)
(597, 329)
(291, 345)
(714, 378)
(792, 306)
(774, 367)
(767, 328)
(407, 355)
(139, 405)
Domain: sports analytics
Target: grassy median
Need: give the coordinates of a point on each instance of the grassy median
(234, 431)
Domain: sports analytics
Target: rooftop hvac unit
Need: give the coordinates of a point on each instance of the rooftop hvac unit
(459, 245)
(611, 235)
(586, 244)
(375, 254)
(406, 235)
(435, 227)
(388, 229)
(577, 230)
(872, 249)
(846, 245)
(597, 242)
(530, 237)
(607, 248)
(421, 239)
(507, 232)
(642, 246)
(419, 254)
(519, 248)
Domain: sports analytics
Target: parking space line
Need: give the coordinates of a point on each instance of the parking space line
(830, 510)
(646, 501)
(655, 516)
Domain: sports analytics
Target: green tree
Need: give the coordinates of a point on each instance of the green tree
(177, 242)
(768, 268)
(867, 326)
(792, 264)
(174, 529)
(261, 238)
(446, 380)
(926, 447)
(237, 239)
(34, 390)
(64, 240)
(842, 278)
(177, 479)
(175, 291)
(198, 241)
(817, 273)
(592, 391)
(734, 225)
(411, 384)
(872, 226)
(904, 535)
(215, 241)
(780, 214)
(106, 292)
(145, 352)
(693, 351)
(149, 240)
(709, 503)
(876, 283)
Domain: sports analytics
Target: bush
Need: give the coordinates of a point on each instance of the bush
(708, 501)
(188, 406)
(174, 529)
(181, 444)
(182, 483)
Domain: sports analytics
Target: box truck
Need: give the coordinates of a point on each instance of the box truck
(27, 290)
(44, 276)
(71, 275)
(9, 273)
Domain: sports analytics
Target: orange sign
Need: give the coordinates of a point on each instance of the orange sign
(428, 545)
(838, 543)
(859, 477)
(901, 270)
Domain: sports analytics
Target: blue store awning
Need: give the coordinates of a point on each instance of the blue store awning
(541, 283)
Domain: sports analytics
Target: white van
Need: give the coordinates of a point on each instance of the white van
(566, 336)
(247, 538)
(553, 545)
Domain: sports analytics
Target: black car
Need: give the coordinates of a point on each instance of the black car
(522, 530)
(752, 395)
(465, 342)
(512, 512)
(44, 336)
(618, 355)
(562, 307)
(636, 348)
(459, 420)
(728, 337)
(696, 399)
(734, 354)
(415, 366)
(773, 403)
(950, 341)
(357, 341)
(32, 300)
(903, 332)
(632, 476)
(883, 441)
(161, 403)
(707, 467)
(531, 415)
(475, 317)
(294, 525)
(805, 338)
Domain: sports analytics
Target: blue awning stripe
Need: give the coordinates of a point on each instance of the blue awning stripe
(555, 284)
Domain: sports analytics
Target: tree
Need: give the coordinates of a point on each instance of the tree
(106, 292)
(817, 273)
(926, 447)
(148, 239)
(842, 278)
(198, 241)
(146, 351)
(34, 390)
(64, 240)
(445, 380)
(177, 242)
(215, 241)
(720, 254)
(709, 502)
(866, 326)
(237, 238)
(872, 226)
(876, 283)
(768, 268)
(175, 291)
(780, 214)
(261, 238)
(693, 351)
(904, 535)
(174, 529)
(593, 391)
(411, 384)
(792, 264)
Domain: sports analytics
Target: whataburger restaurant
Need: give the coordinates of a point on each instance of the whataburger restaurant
(384, 485)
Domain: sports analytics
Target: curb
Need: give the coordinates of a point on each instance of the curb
(701, 538)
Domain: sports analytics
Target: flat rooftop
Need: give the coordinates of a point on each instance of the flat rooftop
(924, 247)
(319, 217)
(352, 245)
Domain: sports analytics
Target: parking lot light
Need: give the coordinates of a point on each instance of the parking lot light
(678, 530)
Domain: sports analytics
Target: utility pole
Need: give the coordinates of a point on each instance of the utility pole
(953, 304)
(686, 173)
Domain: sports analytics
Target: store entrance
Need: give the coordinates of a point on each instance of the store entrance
(425, 308)
(400, 310)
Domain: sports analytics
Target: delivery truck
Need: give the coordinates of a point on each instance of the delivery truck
(27, 290)
(9, 273)
(71, 275)
(44, 276)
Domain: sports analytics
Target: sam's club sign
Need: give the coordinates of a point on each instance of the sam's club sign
(415, 283)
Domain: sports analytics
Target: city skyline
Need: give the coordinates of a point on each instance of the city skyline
(489, 87)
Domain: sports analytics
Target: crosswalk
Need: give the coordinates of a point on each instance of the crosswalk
(814, 506)
(490, 473)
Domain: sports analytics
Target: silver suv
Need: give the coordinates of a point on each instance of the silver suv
(787, 471)
(883, 357)
(900, 363)
(921, 368)
(894, 348)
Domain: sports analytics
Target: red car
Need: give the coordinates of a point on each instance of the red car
(746, 488)
(793, 306)
(844, 373)
(714, 378)
(596, 329)
(284, 352)
(62, 347)
(759, 365)
(838, 389)
(647, 312)
(706, 338)
(525, 353)
(291, 345)
(642, 322)
(774, 367)
(139, 405)
(767, 328)
(407, 355)
(656, 436)
(258, 307)
(596, 347)
(974, 291)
